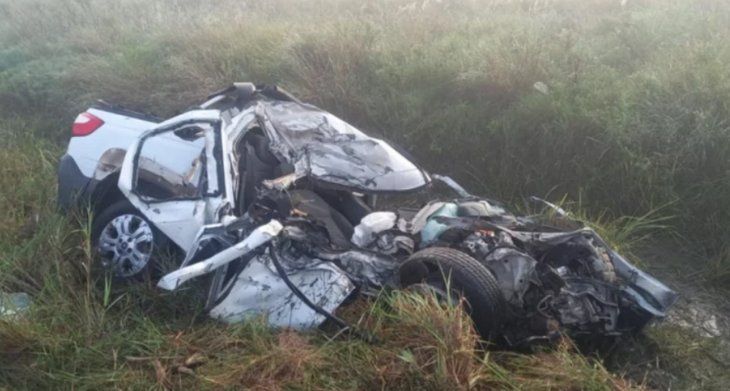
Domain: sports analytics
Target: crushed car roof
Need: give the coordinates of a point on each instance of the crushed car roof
(333, 151)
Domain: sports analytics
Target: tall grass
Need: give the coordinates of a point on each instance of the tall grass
(634, 115)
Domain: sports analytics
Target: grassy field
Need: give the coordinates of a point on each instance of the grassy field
(620, 108)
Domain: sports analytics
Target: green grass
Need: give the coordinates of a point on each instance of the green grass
(83, 332)
(635, 114)
(634, 123)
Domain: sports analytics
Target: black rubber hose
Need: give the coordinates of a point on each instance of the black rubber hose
(338, 321)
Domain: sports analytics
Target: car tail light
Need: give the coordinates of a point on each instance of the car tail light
(86, 124)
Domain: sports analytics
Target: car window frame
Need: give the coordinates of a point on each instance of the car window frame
(216, 151)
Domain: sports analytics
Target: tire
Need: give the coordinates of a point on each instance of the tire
(468, 278)
(125, 242)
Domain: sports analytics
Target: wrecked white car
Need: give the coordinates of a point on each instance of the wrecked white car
(274, 200)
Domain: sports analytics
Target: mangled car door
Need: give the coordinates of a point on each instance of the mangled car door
(171, 174)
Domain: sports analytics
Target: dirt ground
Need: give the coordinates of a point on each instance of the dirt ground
(690, 349)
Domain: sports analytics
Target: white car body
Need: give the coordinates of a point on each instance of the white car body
(182, 174)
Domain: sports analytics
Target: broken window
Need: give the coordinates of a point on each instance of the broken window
(171, 165)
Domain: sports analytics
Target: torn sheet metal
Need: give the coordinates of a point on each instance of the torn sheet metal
(513, 270)
(573, 279)
(583, 305)
(259, 291)
(258, 237)
(365, 267)
(334, 152)
(658, 296)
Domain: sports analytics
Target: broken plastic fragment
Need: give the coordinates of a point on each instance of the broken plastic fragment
(371, 225)
(541, 87)
(433, 228)
(13, 303)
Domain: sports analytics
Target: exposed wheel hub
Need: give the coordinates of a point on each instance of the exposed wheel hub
(125, 245)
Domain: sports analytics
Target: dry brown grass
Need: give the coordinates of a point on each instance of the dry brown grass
(563, 368)
(288, 360)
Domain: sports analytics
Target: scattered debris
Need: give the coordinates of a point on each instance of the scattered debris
(13, 304)
(541, 87)
(705, 324)
(195, 360)
(166, 366)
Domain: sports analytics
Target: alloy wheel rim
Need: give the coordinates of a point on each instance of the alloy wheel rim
(125, 245)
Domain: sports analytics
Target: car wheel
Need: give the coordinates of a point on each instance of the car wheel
(449, 272)
(125, 241)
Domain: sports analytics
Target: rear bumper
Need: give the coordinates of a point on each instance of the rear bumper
(74, 188)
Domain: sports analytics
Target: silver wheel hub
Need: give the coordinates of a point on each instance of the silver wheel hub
(125, 245)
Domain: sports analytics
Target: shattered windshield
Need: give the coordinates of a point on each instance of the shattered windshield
(329, 149)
